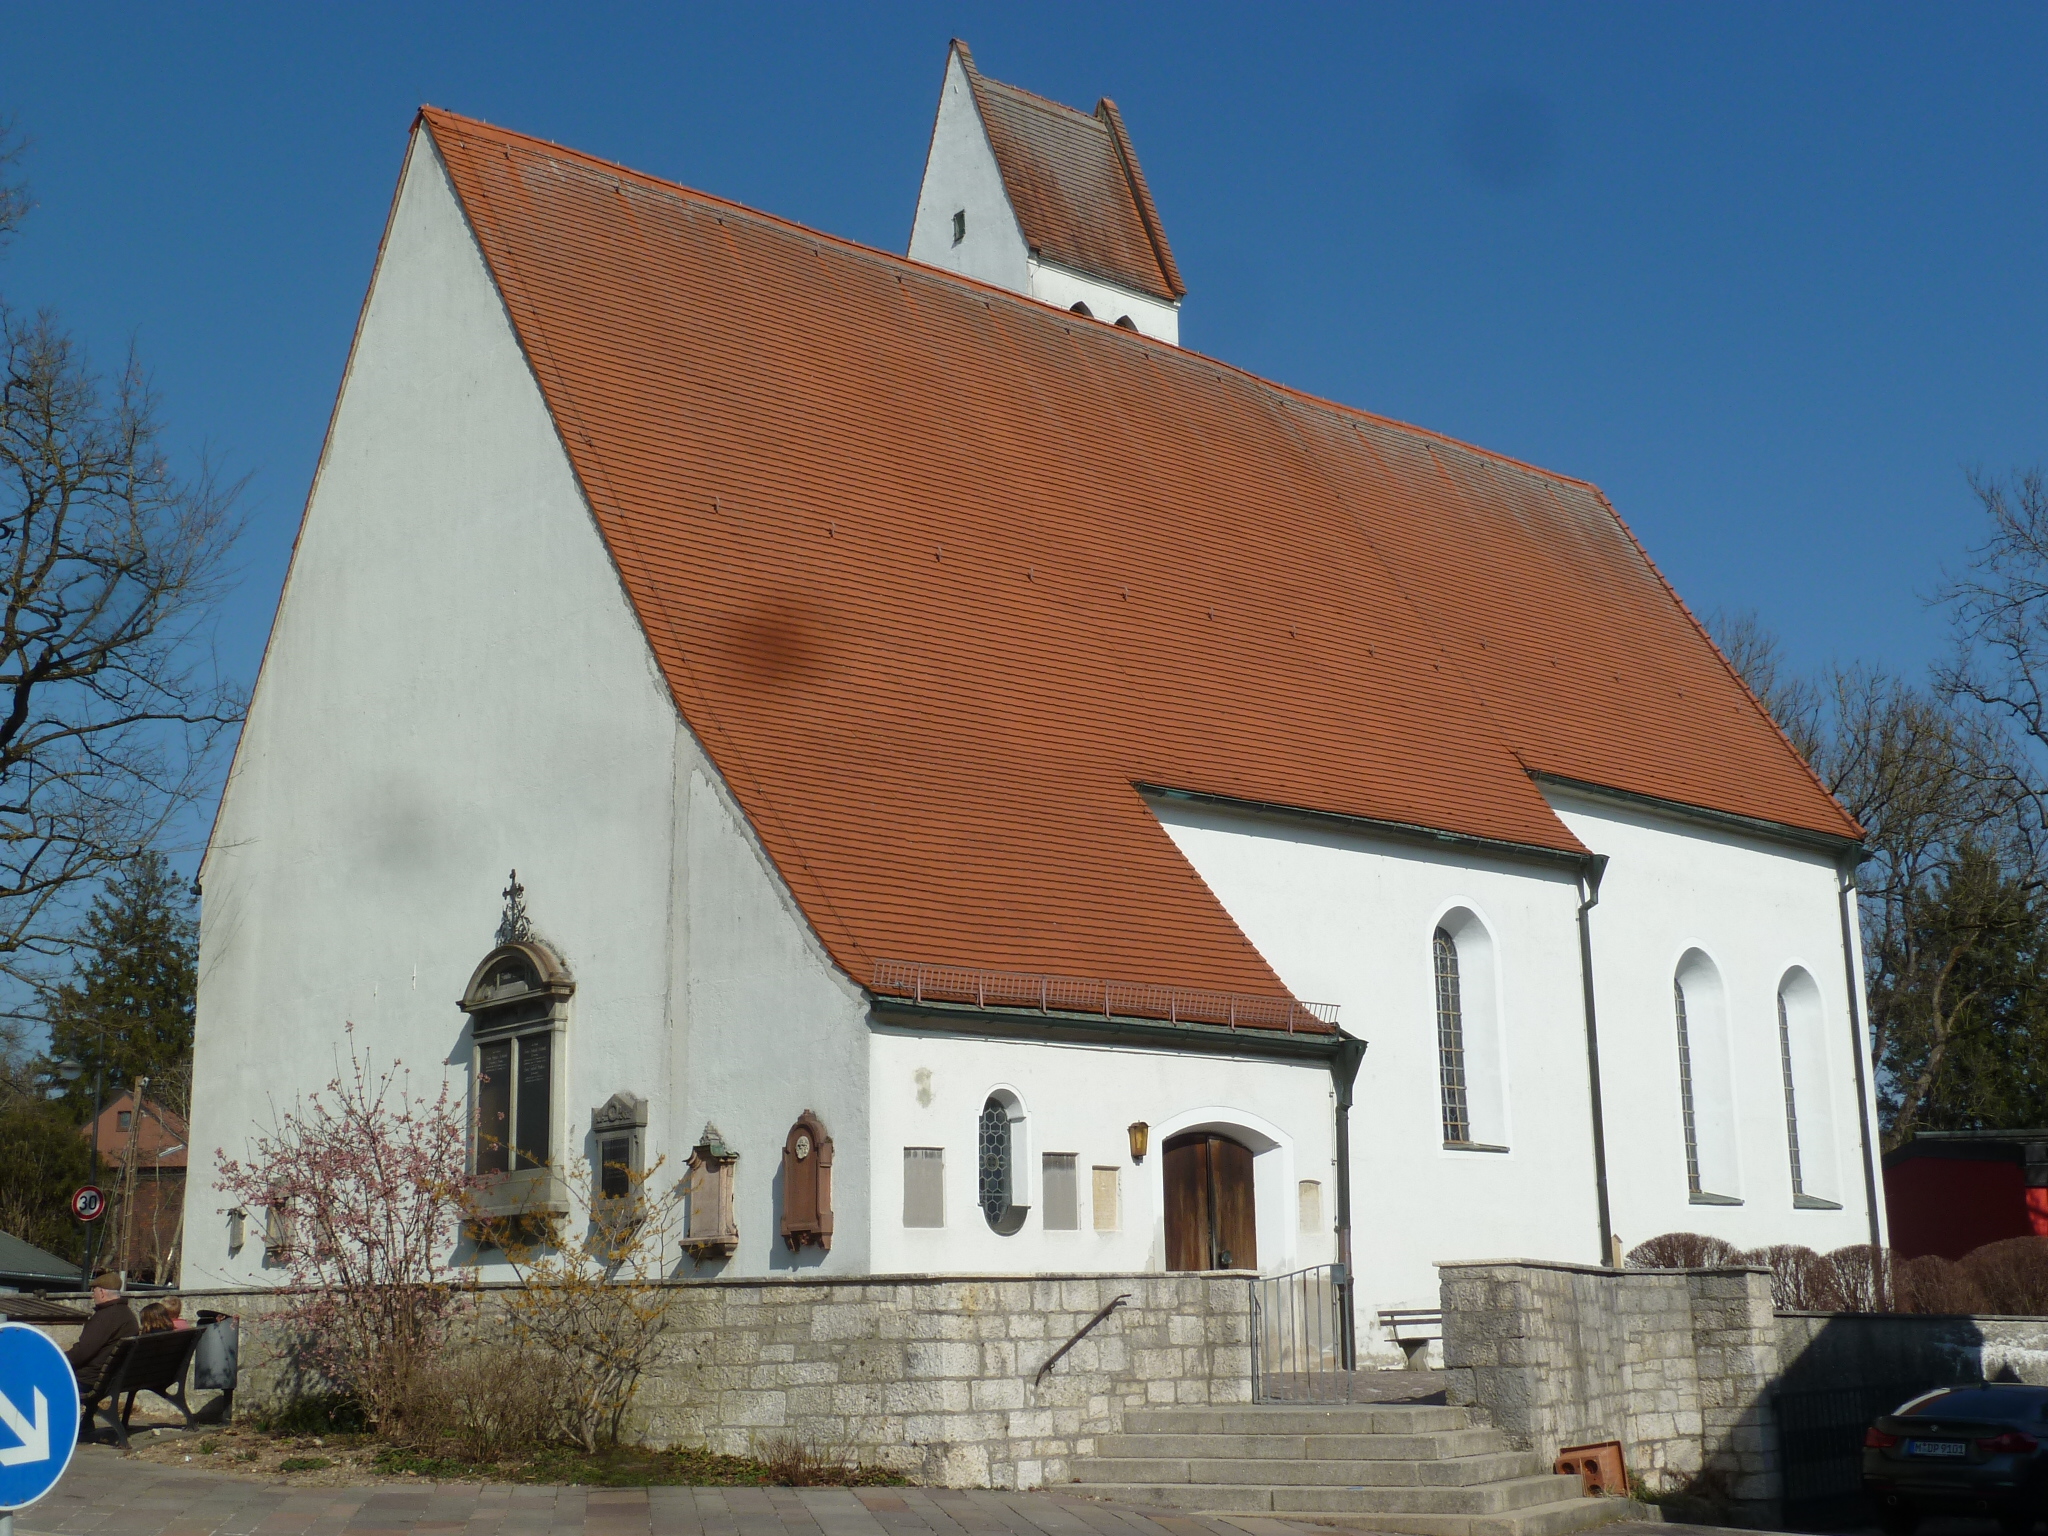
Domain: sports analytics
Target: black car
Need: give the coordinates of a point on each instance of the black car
(1961, 1450)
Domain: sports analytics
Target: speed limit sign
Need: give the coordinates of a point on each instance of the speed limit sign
(88, 1202)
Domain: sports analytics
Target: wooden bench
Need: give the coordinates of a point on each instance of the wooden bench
(143, 1362)
(1413, 1328)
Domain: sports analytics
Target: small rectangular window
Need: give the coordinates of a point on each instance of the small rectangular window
(924, 1186)
(1062, 1192)
(615, 1167)
(127, 1118)
(1311, 1206)
(536, 1083)
(1107, 1217)
(494, 1107)
(959, 226)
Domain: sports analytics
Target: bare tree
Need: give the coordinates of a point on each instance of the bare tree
(110, 564)
(1947, 893)
(13, 190)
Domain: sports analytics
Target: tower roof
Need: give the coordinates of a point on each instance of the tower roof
(1075, 185)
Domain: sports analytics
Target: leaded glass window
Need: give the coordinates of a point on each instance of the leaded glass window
(995, 1162)
(1791, 1107)
(1450, 1040)
(1692, 1136)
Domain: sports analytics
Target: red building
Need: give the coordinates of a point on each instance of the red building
(1947, 1192)
(142, 1168)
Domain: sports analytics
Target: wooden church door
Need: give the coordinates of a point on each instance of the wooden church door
(1210, 1218)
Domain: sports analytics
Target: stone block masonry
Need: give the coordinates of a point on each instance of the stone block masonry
(933, 1377)
(1677, 1365)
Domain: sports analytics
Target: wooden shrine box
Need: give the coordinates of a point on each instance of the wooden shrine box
(807, 1184)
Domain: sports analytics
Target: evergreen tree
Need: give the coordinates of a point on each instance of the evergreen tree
(127, 1009)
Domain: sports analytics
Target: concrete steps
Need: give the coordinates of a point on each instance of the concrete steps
(1422, 1470)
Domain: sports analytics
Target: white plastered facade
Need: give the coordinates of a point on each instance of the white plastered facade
(1348, 916)
(961, 177)
(456, 685)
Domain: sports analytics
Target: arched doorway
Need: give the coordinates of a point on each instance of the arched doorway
(1210, 1213)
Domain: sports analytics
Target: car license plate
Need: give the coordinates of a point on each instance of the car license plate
(1936, 1447)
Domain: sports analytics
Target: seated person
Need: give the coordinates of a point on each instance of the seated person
(112, 1321)
(175, 1305)
(156, 1318)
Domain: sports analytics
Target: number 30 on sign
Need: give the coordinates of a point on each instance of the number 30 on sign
(88, 1202)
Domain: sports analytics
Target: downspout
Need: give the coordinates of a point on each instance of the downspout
(1589, 881)
(1859, 1040)
(1344, 1073)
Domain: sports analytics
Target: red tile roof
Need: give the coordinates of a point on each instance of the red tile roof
(937, 574)
(1075, 185)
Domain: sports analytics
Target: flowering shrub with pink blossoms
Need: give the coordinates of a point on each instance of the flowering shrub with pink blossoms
(369, 1182)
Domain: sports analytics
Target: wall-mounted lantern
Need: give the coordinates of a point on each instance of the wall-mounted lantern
(1141, 1138)
(619, 1126)
(710, 1231)
(807, 1184)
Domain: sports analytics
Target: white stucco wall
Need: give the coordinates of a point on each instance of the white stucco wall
(960, 173)
(455, 685)
(1107, 302)
(927, 1090)
(1348, 920)
(1760, 912)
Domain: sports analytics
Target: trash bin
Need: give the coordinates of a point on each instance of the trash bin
(216, 1360)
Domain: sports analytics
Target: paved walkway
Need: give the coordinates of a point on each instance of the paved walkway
(108, 1494)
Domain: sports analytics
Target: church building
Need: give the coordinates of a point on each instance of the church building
(1003, 792)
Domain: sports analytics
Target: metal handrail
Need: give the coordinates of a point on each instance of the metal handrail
(1080, 1333)
(1303, 1347)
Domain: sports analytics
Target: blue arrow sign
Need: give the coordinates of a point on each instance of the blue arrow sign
(38, 1414)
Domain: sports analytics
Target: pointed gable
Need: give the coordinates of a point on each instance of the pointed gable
(1074, 183)
(939, 576)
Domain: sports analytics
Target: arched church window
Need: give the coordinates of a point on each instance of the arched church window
(1082, 310)
(1706, 1096)
(518, 1006)
(1450, 1040)
(1791, 1099)
(1809, 1107)
(1685, 1109)
(1126, 323)
(1001, 1161)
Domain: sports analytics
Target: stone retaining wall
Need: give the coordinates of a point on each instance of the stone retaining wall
(929, 1376)
(1674, 1364)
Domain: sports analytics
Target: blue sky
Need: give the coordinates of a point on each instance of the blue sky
(1771, 275)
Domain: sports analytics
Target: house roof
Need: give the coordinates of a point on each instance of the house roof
(1075, 185)
(938, 574)
(159, 1138)
(22, 1263)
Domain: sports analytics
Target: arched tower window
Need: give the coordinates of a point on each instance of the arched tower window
(1450, 1040)
(1082, 310)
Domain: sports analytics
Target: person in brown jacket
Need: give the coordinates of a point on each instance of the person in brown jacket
(112, 1321)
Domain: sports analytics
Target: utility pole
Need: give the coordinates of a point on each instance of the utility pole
(126, 1250)
(92, 1233)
